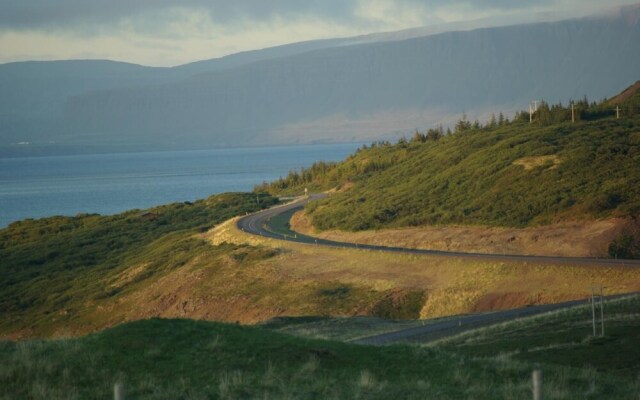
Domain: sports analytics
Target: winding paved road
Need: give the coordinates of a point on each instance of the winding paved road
(271, 223)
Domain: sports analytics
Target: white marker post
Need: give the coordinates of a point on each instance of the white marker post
(118, 391)
(537, 384)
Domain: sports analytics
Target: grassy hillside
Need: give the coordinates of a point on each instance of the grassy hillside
(515, 175)
(563, 338)
(559, 338)
(506, 173)
(53, 268)
(182, 359)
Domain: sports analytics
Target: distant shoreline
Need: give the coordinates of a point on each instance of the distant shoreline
(110, 183)
(20, 150)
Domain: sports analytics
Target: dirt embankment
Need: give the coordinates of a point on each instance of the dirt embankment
(568, 239)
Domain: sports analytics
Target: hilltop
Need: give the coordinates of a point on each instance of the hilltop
(629, 97)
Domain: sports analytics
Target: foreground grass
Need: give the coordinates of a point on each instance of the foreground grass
(183, 359)
(563, 338)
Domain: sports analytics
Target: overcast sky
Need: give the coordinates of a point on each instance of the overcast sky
(166, 32)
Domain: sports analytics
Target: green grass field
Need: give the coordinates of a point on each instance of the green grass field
(561, 337)
(185, 359)
(564, 338)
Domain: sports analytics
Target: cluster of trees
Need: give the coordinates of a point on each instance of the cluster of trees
(548, 114)
(296, 179)
(382, 154)
(581, 110)
(464, 124)
(432, 135)
(326, 175)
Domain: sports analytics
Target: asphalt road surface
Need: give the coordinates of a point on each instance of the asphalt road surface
(272, 223)
(454, 325)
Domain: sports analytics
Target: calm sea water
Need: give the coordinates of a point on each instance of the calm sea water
(35, 187)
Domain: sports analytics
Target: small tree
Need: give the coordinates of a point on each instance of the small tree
(418, 137)
(434, 135)
(492, 122)
(463, 124)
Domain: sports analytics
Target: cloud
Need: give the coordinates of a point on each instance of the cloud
(169, 32)
(70, 14)
(62, 14)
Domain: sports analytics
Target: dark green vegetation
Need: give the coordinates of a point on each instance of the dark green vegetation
(505, 173)
(182, 359)
(626, 246)
(61, 263)
(564, 338)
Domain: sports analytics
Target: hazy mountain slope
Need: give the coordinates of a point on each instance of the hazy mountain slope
(33, 94)
(40, 87)
(247, 57)
(339, 89)
(450, 72)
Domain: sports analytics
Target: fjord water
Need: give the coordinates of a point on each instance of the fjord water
(35, 187)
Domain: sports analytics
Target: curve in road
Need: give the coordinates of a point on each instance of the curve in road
(271, 223)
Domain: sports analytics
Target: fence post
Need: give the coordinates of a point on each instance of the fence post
(537, 384)
(118, 391)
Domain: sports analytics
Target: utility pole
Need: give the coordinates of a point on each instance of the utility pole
(532, 110)
(530, 114)
(573, 113)
(618, 112)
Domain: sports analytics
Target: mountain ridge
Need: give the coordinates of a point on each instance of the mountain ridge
(337, 93)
